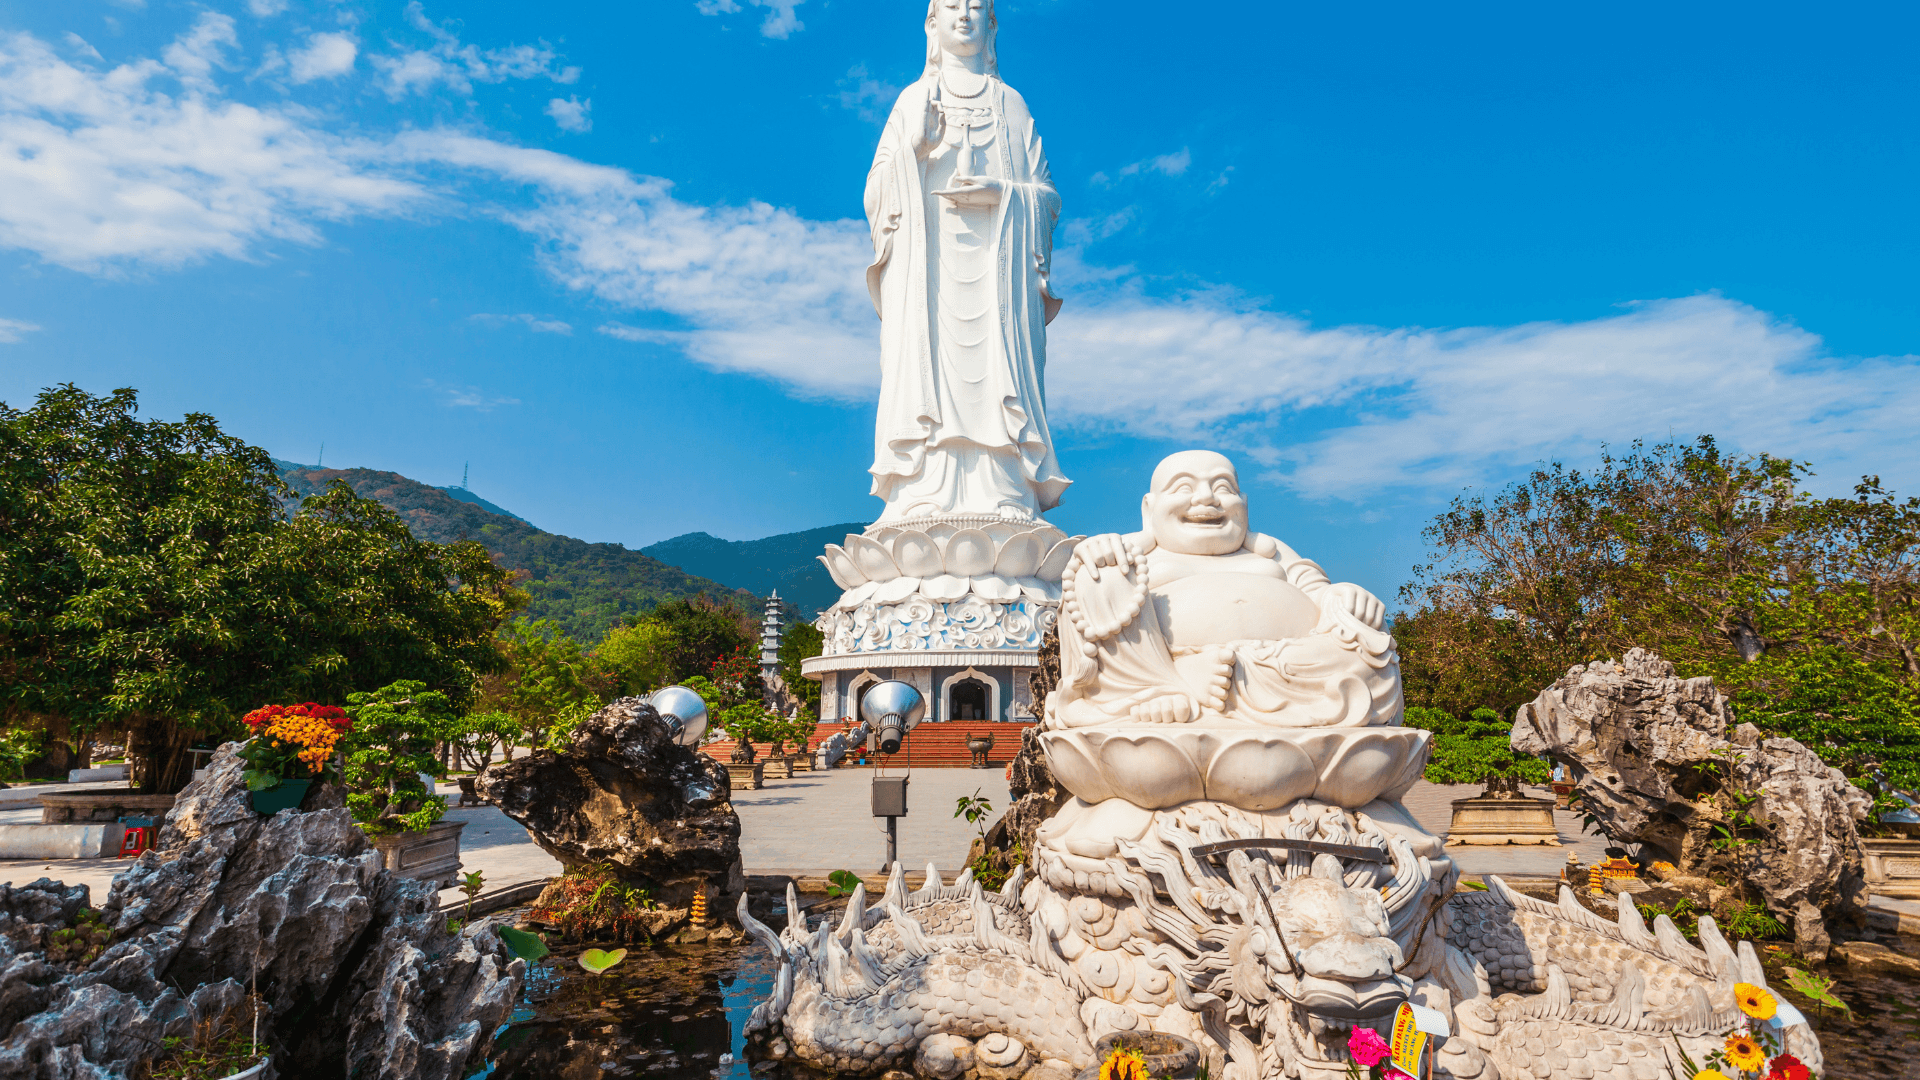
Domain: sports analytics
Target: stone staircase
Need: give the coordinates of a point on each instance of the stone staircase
(932, 746)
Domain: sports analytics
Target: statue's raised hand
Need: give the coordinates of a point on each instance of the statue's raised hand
(973, 191)
(931, 129)
(1357, 602)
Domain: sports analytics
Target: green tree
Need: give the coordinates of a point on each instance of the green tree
(637, 657)
(151, 581)
(1805, 611)
(801, 641)
(549, 676)
(701, 634)
(397, 730)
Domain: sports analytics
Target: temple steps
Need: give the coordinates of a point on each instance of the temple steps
(931, 745)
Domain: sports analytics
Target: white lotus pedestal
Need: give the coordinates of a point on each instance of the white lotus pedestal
(954, 605)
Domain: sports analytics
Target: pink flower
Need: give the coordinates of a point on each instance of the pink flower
(1367, 1047)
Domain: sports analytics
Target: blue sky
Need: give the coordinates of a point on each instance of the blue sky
(610, 253)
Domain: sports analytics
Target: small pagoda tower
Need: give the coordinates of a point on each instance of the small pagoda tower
(770, 628)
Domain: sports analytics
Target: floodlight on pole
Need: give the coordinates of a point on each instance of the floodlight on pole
(684, 711)
(891, 709)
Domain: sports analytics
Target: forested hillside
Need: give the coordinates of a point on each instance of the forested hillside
(584, 588)
(789, 562)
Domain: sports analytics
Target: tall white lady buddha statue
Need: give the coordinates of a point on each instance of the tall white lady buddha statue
(962, 210)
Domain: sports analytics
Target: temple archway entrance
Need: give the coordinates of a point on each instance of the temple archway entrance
(969, 699)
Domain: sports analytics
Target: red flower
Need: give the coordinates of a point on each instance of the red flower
(1788, 1067)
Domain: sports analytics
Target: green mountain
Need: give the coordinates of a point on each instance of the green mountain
(584, 588)
(788, 562)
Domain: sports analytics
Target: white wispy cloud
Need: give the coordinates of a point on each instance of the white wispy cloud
(781, 22)
(467, 397)
(571, 113)
(326, 56)
(1174, 164)
(103, 169)
(872, 98)
(263, 9)
(532, 322)
(11, 330)
(456, 66)
(82, 46)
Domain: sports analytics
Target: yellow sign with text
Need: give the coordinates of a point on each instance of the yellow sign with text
(1409, 1042)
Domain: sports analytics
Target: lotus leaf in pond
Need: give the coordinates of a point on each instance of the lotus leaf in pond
(597, 960)
(528, 947)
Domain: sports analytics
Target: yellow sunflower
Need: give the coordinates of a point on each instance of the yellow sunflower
(1754, 1001)
(1709, 1074)
(1124, 1065)
(1744, 1053)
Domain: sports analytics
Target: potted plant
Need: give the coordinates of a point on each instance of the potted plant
(396, 732)
(292, 746)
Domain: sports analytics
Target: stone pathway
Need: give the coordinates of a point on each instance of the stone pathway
(818, 822)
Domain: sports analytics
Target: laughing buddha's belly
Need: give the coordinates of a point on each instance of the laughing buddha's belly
(1212, 609)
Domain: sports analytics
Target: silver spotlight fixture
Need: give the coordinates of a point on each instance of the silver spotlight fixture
(891, 709)
(683, 710)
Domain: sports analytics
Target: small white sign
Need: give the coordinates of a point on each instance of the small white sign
(1785, 1015)
(1431, 1021)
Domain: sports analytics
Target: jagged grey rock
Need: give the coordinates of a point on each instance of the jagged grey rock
(356, 967)
(1652, 758)
(624, 792)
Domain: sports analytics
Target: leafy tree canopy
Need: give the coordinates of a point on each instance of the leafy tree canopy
(150, 580)
(1804, 610)
(801, 641)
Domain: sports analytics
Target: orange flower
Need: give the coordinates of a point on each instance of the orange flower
(1754, 1001)
(1744, 1053)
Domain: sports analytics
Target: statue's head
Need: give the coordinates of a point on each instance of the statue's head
(1195, 506)
(963, 28)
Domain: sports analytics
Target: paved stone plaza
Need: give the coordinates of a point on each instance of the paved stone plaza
(819, 822)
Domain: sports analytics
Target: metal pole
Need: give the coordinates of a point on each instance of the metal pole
(893, 853)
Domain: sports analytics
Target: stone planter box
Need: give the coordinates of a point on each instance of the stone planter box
(746, 777)
(800, 763)
(1892, 867)
(1493, 819)
(433, 855)
(101, 806)
(778, 768)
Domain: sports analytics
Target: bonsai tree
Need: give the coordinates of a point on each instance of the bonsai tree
(397, 730)
(477, 736)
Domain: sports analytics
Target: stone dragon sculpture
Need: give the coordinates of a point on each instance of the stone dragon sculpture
(1266, 959)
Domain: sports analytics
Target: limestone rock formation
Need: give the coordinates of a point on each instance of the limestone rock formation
(625, 793)
(1655, 765)
(358, 971)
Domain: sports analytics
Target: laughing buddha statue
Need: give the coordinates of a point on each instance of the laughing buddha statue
(1194, 619)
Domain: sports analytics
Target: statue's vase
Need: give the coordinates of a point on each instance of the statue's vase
(1158, 766)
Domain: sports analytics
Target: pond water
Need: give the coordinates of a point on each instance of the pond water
(679, 1013)
(1881, 1040)
(667, 1012)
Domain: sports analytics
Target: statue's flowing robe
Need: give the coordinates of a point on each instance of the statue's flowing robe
(962, 429)
(1342, 674)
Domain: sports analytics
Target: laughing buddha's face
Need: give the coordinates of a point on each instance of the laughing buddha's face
(1195, 507)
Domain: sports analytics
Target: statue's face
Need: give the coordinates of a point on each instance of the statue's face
(1195, 507)
(961, 25)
